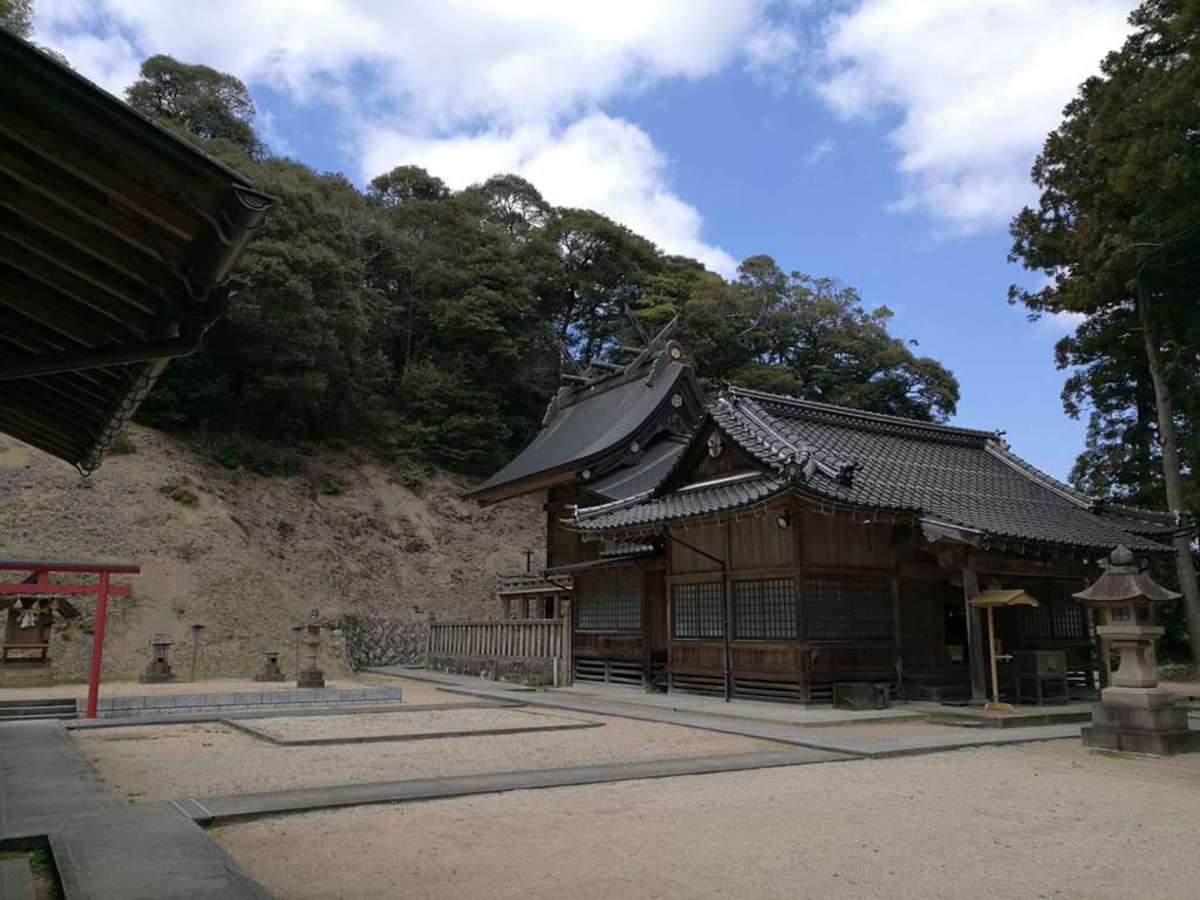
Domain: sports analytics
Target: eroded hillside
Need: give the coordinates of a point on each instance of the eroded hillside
(250, 556)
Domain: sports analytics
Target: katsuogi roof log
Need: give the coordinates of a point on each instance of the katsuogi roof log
(116, 239)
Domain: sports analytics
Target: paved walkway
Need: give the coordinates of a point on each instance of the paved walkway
(767, 729)
(104, 848)
(216, 810)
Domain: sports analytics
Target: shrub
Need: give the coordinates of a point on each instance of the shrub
(333, 484)
(413, 475)
(122, 445)
(180, 489)
(1176, 671)
(255, 456)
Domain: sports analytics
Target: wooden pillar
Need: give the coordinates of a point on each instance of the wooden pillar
(567, 616)
(975, 646)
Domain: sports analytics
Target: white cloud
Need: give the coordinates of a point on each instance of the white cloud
(978, 86)
(472, 85)
(597, 162)
(820, 152)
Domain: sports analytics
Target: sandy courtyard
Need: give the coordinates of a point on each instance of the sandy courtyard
(1032, 821)
(166, 762)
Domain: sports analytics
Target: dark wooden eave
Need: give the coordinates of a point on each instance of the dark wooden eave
(116, 238)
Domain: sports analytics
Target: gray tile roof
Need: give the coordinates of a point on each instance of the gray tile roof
(959, 477)
(589, 422)
(644, 473)
(642, 511)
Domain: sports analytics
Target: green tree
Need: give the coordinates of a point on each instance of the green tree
(17, 17)
(197, 100)
(1117, 229)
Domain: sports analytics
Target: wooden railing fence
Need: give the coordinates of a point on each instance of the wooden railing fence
(511, 638)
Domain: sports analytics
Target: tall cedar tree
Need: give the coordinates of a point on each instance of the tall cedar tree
(1118, 230)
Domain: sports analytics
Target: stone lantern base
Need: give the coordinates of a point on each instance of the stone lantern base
(1140, 720)
(311, 678)
(157, 672)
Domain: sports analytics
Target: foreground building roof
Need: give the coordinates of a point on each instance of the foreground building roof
(115, 238)
(617, 436)
(957, 483)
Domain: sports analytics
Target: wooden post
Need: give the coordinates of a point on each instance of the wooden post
(992, 654)
(975, 648)
(97, 645)
(568, 675)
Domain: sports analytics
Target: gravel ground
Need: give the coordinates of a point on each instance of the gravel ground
(165, 762)
(1033, 821)
(294, 728)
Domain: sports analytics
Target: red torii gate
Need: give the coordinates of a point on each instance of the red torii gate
(40, 571)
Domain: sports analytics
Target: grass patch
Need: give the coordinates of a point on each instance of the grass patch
(123, 445)
(333, 484)
(180, 488)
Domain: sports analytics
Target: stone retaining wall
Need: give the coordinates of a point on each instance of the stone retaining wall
(371, 640)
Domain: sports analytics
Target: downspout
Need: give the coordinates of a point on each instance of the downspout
(727, 625)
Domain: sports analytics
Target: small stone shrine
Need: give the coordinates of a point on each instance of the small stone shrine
(158, 670)
(1134, 714)
(270, 670)
(25, 631)
(311, 675)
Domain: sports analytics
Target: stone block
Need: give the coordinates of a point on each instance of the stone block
(1133, 718)
(1140, 698)
(1148, 743)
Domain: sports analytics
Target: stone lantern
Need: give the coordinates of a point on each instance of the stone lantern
(158, 670)
(311, 675)
(1134, 714)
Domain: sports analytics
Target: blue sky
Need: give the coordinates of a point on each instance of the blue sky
(883, 142)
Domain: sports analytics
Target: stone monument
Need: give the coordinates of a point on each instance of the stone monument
(158, 670)
(1134, 714)
(311, 675)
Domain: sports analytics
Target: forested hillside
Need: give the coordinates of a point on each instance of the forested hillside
(426, 325)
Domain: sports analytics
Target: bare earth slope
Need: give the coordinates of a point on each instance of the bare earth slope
(254, 555)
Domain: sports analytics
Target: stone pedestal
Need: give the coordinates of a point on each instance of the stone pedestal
(1140, 720)
(311, 675)
(311, 678)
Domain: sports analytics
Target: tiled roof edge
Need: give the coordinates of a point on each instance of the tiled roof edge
(998, 451)
(874, 418)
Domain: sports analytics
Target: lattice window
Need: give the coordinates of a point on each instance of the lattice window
(696, 610)
(765, 610)
(847, 610)
(610, 600)
(1058, 617)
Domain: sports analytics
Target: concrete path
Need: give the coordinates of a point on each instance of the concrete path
(216, 810)
(771, 730)
(104, 848)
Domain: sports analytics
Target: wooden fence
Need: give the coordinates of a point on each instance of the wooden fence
(505, 643)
